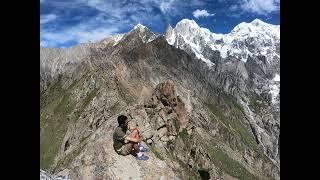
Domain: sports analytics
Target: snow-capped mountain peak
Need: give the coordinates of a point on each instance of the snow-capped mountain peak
(139, 26)
(246, 39)
(189, 27)
(256, 40)
(188, 32)
(257, 22)
(187, 23)
(256, 26)
(144, 33)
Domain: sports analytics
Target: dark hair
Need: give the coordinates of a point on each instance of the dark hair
(122, 119)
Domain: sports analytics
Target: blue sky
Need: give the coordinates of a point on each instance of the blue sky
(66, 23)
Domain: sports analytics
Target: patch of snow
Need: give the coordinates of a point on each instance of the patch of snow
(139, 26)
(117, 38)
(172, 39)
(152, 38)
(196, 48)
(274, 91)
(200, 56)
(243, 59)
(224, 51)
(276, 78)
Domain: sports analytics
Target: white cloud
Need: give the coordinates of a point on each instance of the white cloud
(80, 34)
(142, 8)
(112, 8)
(41, 1)
(260, 7)
(93, 29)
(47, 18)
(201, 13)
(114, 16)
(166, 6)
(84, 35)
(233, 8)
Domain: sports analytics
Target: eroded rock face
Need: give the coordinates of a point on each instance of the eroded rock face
(95, 157)
(176, 151)
(244, 63)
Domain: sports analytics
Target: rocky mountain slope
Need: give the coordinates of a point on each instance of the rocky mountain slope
(199, 118)
(257, 45)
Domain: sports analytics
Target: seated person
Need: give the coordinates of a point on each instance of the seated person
(128, 144)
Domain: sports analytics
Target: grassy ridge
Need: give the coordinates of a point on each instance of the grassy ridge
(227, 164)
(234, 122)
(56, 112)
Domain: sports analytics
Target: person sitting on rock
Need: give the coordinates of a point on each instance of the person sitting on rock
(128, 144)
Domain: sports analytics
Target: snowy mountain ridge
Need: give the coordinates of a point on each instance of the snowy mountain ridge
(247, 40)
(264, 39)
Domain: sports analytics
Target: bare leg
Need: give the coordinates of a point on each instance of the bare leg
(135, 134)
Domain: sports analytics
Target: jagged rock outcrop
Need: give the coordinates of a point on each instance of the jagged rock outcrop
(196, 119)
